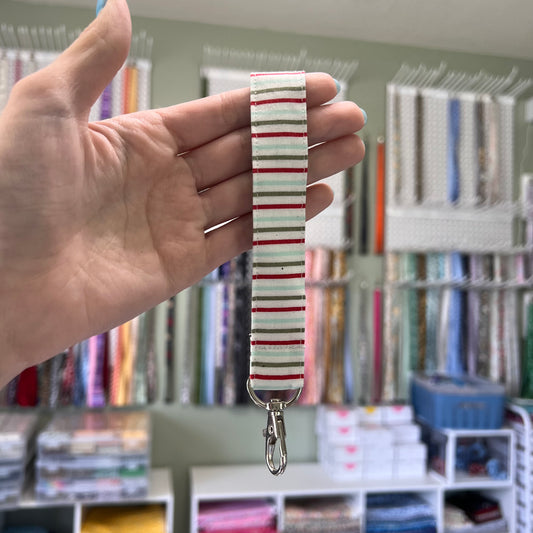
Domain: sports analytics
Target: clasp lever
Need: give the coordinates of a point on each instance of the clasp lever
(274, 433)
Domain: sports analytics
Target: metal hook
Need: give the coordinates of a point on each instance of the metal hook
(275, 429)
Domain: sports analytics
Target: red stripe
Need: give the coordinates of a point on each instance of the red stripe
(280, 241)
(279, 378)
(255, 74)
(280, 101)
(275, 343)
(282, 169)
(280, 134)
(276, 309)
(278, 276)
(279, 206)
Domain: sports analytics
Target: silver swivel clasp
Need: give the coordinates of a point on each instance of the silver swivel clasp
(274, 433)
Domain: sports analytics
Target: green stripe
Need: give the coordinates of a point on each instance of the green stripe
(279, 193)
(278, 330)
(279, 229)
(270, 183)
(274, 365)
(278, 146)
(286, 353)
(297, 114)
(288, 288)
(280, 157)
(275, 122)
(276, 298)
(277, 320)
(271, 264)
(276, 89)
(280, 78)
(288, 218)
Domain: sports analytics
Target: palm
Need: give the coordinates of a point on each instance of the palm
(101, 221)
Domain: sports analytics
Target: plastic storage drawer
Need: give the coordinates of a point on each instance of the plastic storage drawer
(458, 402)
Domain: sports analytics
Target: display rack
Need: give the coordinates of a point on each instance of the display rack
(225, 483)
(67, 517)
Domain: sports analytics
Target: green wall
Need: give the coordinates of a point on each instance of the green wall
(185, 436)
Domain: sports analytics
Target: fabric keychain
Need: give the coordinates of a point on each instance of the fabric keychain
(279, 162)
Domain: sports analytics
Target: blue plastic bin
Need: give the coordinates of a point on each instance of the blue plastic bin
(458, 402)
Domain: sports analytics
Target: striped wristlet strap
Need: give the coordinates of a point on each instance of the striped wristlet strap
(279, 154)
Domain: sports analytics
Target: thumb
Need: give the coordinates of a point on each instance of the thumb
(89, 64)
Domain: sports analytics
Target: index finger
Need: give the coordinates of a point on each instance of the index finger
(195, 123)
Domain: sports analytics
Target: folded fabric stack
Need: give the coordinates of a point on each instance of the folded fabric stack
(404, 513)
(321, 515)
(244, 516)
(17, 431)
(124, 519)
(95, 456)
(472, 512)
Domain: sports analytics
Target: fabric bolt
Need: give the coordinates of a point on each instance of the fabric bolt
(409, 325)
(310, 393)
(434, 272)
(106, 108)
(473, 316)
(335, 369)
(364, 348)
(390, 339)
(378, 352)
(527, 369)
(379, 237)
(279, 161)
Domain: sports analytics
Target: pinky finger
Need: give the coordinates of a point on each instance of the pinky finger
(235, 237)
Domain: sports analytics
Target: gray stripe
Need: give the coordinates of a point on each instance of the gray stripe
(280, 157)
(279, 193)
(277, 298)
(274, 265)
(273, 365)
(276, 89)
(275, 122)
(279, 229)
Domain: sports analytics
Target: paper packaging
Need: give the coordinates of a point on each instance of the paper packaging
(370, 415)
(378, 469)
(412, 469)
(406, 433)
(397, 414)
(410, 452)
(335, 416)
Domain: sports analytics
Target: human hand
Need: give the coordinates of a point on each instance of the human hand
(101, 221)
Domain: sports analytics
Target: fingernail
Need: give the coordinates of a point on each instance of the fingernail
(364, 114)
(100, 5)
(338, 85)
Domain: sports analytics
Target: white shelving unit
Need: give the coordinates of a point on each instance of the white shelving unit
(520, 420)
(67, 517)
(302, 480)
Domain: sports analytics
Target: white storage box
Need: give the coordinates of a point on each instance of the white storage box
(411, 452)
(371, 414)
(411, 469)
(336, 416)
(406, 433)
(375, 436)
(378, 469)
(397, 414)
(348, 471)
